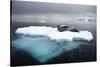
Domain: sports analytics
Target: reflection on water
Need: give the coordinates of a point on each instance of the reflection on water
(42, 48)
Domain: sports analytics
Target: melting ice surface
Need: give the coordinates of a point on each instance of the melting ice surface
(51, 44)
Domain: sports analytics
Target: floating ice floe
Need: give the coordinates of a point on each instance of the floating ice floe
(86, 19)
(54, 34)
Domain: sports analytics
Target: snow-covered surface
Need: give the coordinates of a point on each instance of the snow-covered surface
(53, 33)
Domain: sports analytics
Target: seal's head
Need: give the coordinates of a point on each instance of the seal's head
(62, 28)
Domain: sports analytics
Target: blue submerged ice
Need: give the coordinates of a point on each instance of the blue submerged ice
(39, 47)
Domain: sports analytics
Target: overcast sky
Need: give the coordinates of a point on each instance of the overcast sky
(23, 7)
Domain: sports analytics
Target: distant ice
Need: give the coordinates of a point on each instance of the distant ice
(54, 34)
(86, 19)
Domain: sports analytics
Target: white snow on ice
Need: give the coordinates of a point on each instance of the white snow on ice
(53, 33)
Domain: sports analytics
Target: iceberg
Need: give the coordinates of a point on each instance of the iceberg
(52, 43)
(53, 33)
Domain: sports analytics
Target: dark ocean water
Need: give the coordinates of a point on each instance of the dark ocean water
(27, 50)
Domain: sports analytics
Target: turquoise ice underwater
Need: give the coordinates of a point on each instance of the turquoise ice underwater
(42, 48)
